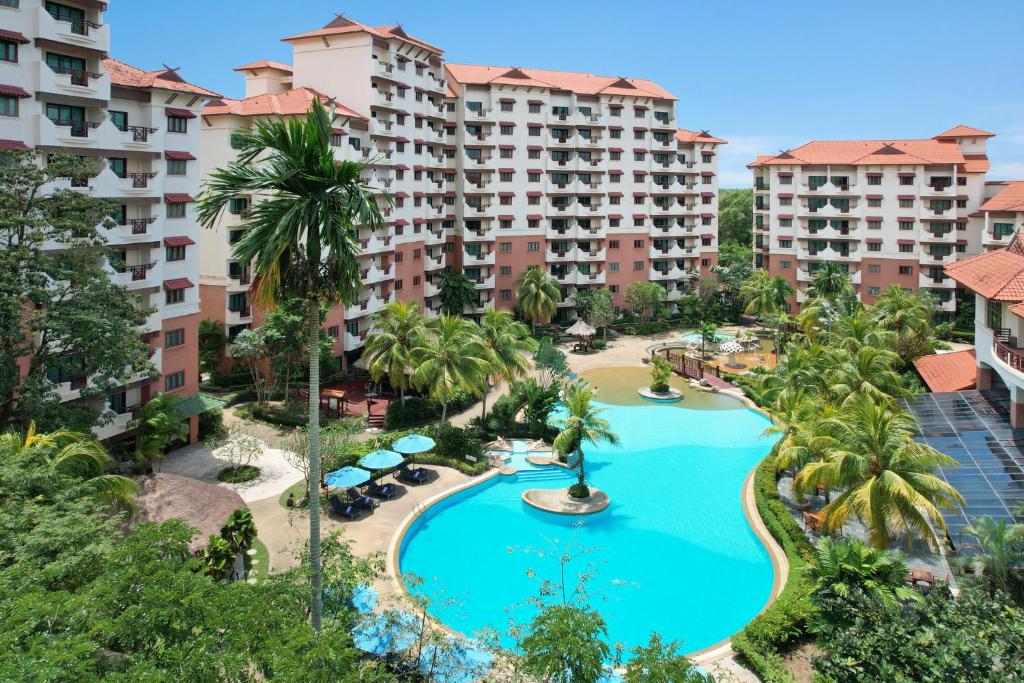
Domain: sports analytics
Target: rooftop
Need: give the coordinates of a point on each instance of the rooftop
(579, 83)
(292, 102)
(954, 371)
(683, 135)
(265, 64)
(961, 131)
(1009, 198)
(167, 78)
(341, 25)
(997, 275)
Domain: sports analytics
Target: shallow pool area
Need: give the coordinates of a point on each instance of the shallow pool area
(720, 338)
(673, 553)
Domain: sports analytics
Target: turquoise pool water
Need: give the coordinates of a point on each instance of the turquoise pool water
(673, 553)
(719, 337)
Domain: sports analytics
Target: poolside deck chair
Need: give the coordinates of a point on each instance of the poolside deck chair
(383, 491)
(362, 501)
(415, 476)
(347, 510)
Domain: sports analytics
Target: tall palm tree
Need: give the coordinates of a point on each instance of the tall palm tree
(841, 567)
(397, 330)
(507, 340)
(831, 282)
(457, 293)
(870, 371)
(538, 295)
(302, 242)
(1000, 562)
(583, 424)
(901, 311)
(857, 329)
(73, 454)
(451, 356)
(764, 294)
(886, 477)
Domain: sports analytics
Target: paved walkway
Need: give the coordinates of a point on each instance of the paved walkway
(199, 462)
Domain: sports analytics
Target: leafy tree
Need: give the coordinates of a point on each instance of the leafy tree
(240, 448)
(583, 424)
(250, 349)
(451, 357)
(708, 335)
(660, 662)
(550, 361)
(537, 294)
(600, 311)
(645, 298)
(537, 403)
(240, 530)
(457, 293)
(999, 563)
(736, 216)
(842, 567)
(564, 644)
(158, 426)
(285, 344)
(212, 341)
(507, 342)
(735, 265)
(301, 241)
(397, 329)
(661, 370)
(767, 298)
(61, 316)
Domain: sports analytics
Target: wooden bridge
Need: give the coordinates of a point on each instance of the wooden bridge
(695, 368)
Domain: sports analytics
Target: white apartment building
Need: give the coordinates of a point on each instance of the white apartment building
(1001, 215)
(60, 92)
(585, 176)
(890, 211)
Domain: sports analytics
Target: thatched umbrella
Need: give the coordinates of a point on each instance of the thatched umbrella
(582, 330)
(205, 507)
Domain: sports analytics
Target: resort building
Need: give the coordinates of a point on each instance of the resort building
(61, 93)
(1001, 216)
(491, 170)
(889, 211)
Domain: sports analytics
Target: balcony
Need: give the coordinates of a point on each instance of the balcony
(237, 316)
(926, 281)
(673, 273)
(592, 278)
(472, 209)
(74, 82)
(484, 282)
(434, 237)
(374, 245)
(991, 240)
(83, 33)
(433, 263)
(939, 189)
(354, 341)
(80, 134)
(594, 255)
(928, 259)
(377, 274)
(365, 307)
(947, 237)
(673, 252)
(481, 259)
(567, 255)
(430, 289)
(136, 276)
(481, 235)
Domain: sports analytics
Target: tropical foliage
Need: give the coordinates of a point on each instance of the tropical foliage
(398, 328)
(645, 298)
(159, 425)
(451, 357)
(507, 342)
(457, 293)
(537, 295)
(582, 424)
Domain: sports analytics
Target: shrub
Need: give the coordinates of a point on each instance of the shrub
(660, 388)
(240, 396)
(211, 424)
(599, 344)
(413, 411)
(238, 475)
(579, 490)
(236, 378)
(456, 443)
(285, 415)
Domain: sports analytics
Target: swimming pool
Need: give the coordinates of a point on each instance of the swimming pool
(673, 553)
(720, 338)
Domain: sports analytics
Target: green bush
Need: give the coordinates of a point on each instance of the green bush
(211, 423)
(599, 344)
(579, 490)
(230, 380)
(660, 388)
(289, 415)
(240, 396)
(412, 412)
(450, 452)
(455, 443)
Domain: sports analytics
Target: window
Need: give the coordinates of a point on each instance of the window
(638, 265)
(333, 331)
(785, 222)
(176, 167)
(119, 165)
(906, 180)
(638, 244)
(506, 154)
(352, 327)
(174, 338)
(505, 270)
(874, 202)
(119, 119)
(874, 246)
(174, 296)
(474, 106)
(416, 280)
(784, 244)
(874, 291)
(175, 380)
(177, 124)
(176, 253)
(785, 201)
(906, 225)
(399, 257)
(906, 203)
(238, 206)
(8, 105)
(533, 177)
(175, 210)
(506, 130)
(613, 244)
(785, 265)
(874, 180)
(353, 142)
(505, 294)
(398, 285)
(534, 107)
(506, 106)
(533, 246)
(1002, 229)
(615, 133)
(533, 154)
(66, 64)
(906, 270)
(906, 248)
(505, 177)
(874, 268)
(505, 246)
(8, 51)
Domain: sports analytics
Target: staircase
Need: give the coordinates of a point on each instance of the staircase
(546, 474)
(375, 421)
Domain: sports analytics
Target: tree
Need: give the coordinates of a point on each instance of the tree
(537, 296)
(157, 427)
(661, 370)
(212, 341)
(397, 329)
(735, 266)
(302, 242)
(564, 643)
(708, 335)
(240, 448)
(735, 216)
(457, 293)
(645, 298)
(70, 454)
(600, 310)
(842, 567)
(583, 424)
(767, 297)
(550, 361)
(240, 530)
(249, 348)
(62, 317)
(886, 477)
(284, 343)
(660, 662)
(450, 357)
(999, 563)
(507, 341)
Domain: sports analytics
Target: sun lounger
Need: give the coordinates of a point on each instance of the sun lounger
(415, 476)
(347, 510)
(384, 491)
(362, 501)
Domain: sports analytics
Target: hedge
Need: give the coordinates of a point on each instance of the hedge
(453, 444)
(785, 621)
(420, 410)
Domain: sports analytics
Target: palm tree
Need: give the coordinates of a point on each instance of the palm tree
(886, 476)
(841, 567)
(901, 311)
(858, 329)
(870, 371)
(158, 425)
(583, 423)
(397, 330)
(707, 336)
(301, 242)
(77, 455)
(457, 293)
(767, 297)
(538, 295)
(507, 340)
(1001, 556)
(831, 282)
(451, 356)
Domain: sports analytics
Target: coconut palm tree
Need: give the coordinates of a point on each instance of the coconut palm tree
(302, 242)
(73, 454)
(506, 340)
(831, 282)
(583, 424)
(397, 330)
(538, 295)
(157, 426)
(764, 294)
(457, 293)
(451, 356)
(886, 477)
(901, 311)
(840, 568)
(1000, 562)
(858, 329)
(870, 371)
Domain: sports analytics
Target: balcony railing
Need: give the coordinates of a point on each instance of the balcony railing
(79, 25)
(78, 76)
(139, 133)
(1010, 355)
(139, 225)
(79, 129)
(141, 180)
(139, 272)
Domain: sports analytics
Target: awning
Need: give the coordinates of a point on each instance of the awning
(14, 37)
(707, 236)
(178, 241)
(178, 283)
(178, 198)
(874, 240)
(13, 91)
(197, 404)
(179, 113)
(12, 144)
(506, 217)
(179, 156)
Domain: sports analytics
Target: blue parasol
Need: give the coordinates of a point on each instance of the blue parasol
(381, 634)
(413, 443)
(347, 476)
(364, 598)
(455, 661)
(381, 459)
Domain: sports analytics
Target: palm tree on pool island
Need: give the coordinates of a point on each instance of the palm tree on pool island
(302, 242)
(583, 424)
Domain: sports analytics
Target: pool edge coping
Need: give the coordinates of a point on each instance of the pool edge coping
(748, 502)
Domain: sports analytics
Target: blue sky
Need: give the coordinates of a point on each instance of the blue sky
(764, 75)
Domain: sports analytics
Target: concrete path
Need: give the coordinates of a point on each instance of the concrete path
(199, 462)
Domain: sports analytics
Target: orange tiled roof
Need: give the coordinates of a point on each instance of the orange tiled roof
(1010, 198)
(954, 371)
(965, 132)
(288, 103)
(163, 79)
(1017, 310)
(997, 275)
(683, 135)
(342, 24)
(265, 64)
(867, 152)
(580, 83)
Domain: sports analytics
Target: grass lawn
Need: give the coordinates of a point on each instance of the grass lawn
(259, 569)
(298, 488)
